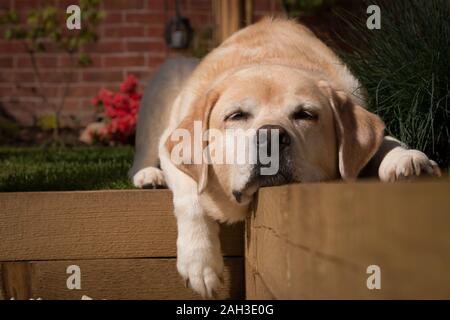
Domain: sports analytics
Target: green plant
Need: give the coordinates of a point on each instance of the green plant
(405, 69)
(44, 30)
(47, 122)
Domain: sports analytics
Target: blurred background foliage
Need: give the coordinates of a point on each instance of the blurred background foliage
(45, 29)
(296, 8)
(45, 26)
(405, 68)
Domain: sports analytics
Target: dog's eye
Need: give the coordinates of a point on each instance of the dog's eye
(238, 116)
(304, 115)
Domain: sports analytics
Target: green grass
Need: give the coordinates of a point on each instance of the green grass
(80, 168)
(405, 67)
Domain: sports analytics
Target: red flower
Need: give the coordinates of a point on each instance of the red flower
(129, 85)
(121, 110)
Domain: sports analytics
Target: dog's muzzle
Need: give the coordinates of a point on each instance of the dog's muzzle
(280, 154)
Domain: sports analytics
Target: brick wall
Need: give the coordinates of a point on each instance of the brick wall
(131, 41)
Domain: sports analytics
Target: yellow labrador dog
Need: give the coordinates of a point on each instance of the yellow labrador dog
(272, 77)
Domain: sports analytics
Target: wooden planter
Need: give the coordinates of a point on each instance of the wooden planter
(123, 241)
(302, 241)
(316, 241)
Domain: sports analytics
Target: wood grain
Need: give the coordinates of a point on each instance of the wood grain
(15, 281)
(317, 240)
(94, 225)
(116, 279)
(229, 17)
(255, 288)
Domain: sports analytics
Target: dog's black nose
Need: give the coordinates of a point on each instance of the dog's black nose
(264, 136)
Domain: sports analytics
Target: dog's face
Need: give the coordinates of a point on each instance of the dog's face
(287, 110)
(296, 129)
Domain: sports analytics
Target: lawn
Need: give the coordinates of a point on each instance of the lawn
(80, 168)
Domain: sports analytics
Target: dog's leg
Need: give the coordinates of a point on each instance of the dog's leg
(199, 258)
(394, 161)
(154, 117)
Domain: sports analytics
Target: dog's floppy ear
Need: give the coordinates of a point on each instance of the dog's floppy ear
(198, 118)
(359, 132)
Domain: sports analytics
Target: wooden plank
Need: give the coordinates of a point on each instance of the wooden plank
(229, 18)
(94, 225)
(115, 279)
(15, 281)
(248, 12)
(317, 240)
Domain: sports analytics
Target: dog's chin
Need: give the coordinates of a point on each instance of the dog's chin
(245, 196)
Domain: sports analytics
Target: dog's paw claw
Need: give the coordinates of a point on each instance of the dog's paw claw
(201, 272)
(407, 164)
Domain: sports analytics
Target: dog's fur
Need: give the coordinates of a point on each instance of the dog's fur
(277, 73)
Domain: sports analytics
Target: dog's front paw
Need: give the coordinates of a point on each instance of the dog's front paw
(150, 177)
(404, 164)
(201, 269)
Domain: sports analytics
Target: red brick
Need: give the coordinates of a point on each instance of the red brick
(82, 90)
(201, 5)
(6, 62)
(145, 46)
(121, 31)
(65, 61)
(145, 18)
(12, 46)
(184, 4)
(23, 76)
(124, 61)
(5, 5)
(155, 31)
(6, 89)
(7, 75)
(106, 46)
(156, 5)
(123, 4)
(58, 76)
(69, 103)
(102, 76)
(261, 5)
(199, 19)
(33, 90)
(113, 17)
(24, 61)
(62, 4)
(27, 4)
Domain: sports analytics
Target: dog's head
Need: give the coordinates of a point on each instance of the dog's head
(273, 125)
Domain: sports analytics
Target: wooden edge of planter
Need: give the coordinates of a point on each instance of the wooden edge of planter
(316, 241)
(94, 225)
